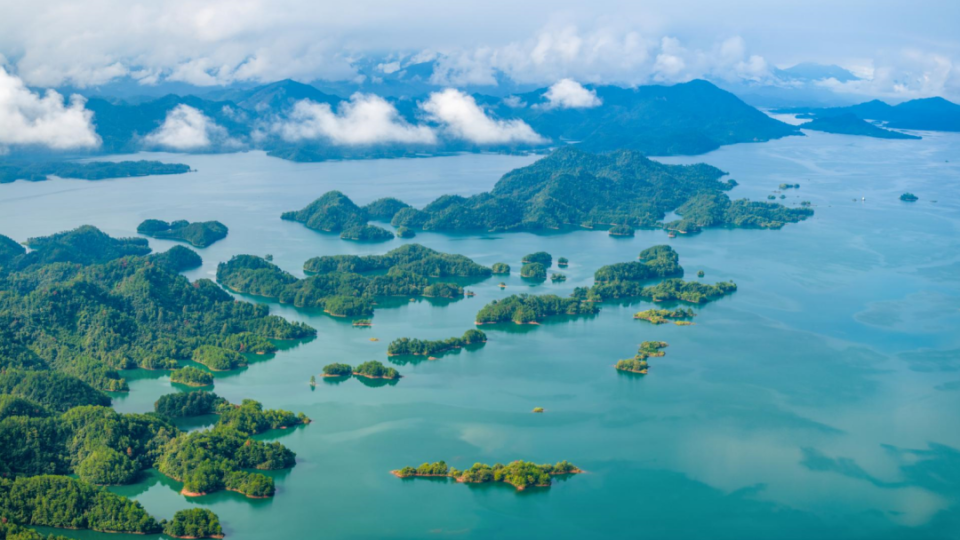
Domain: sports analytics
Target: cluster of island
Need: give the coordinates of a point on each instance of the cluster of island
(638, 364)
(519, 474)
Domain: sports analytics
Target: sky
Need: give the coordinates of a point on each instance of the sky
(901, 49)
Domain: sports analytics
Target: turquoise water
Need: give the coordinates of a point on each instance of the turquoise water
(820, 400)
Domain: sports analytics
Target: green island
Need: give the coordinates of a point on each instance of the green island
(531, 309)
(333, 212)
(405, 232)
(35, 171)
(633, 365)
(501, 268)
(185, 404)
(366, 233)
(375, 370)
(417, 347)
(654, 263)
(638, 364)
(534, 271)
(557, 277)
(218, 358)
(541, 257)
(909, 197)
(519, 474)
(622, 230)
(337, 370)
(139, 312)
(538, 409)
(338, 285)
(198, 234)
(363, 323)
(191, 376)
(562, 262)
(385, 208)
(250, 417)
(194, 523)
(661, 316)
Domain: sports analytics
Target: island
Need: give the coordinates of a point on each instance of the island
(531, 309)
(366, 233)
(363, 323)
(404, 232)
(638, 364)
(700, 273)
(337, 370)
(185, 404)
(191, 376)
(541, 257)
(789, 186)
(218, 358)
(333, 212)
(375, 370)
(661, 316)
(538, 409)
(35, 171)
(193, 523)
(535, 271)
(417, 347)
(562, 262)
(909, 197)
(622, 230)
(384, 209)
(198, 234)
(557, 277)
(501, 268)
(519, 474)
(850, 124)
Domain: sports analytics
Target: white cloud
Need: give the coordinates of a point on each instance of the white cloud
(908, 74)
(186, 128)
(569, 94)
(364, 119)
(26, 118)
(462, 118)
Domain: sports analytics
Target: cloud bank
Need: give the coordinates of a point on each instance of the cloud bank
(26, 118)
(186, 128)
(569, 94)
(364, 119)
(462, 118)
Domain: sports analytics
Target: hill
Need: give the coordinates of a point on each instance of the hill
(850, 124)
(928, 114)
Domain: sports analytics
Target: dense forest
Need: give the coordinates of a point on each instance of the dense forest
(198, 234)
(35, 171)
(338, 284)
(530, 308)
(423, 347)
(519, 474)
(366, 233)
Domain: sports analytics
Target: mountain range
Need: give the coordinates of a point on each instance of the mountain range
(927, 114)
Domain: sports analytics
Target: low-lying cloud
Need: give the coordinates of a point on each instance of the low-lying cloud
(26, 118)
(363, 120)
(569, 94)
(461, 118)
(187, 128)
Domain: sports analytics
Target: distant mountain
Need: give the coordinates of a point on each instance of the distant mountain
(275, 97)
(809, 71)
(928, 114)
(850, 124)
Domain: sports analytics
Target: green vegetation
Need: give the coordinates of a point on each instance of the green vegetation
(633, 365)
(177, 259)
(404, 232)
(250, 418)
(366, 233)
(638, 364)
(339, 287)
(529, 309)
(12, 531)
(660, 316)
(519, 474)
(218, 358)
(909, 197)
(375, 370)
(501, 268)
(538, 409)
(337, 370)
(95, 170)
(700, 273)
(407, 346)
(655, 262)
(194, 523)
(363, 322)
(199, 234)
(191, 376)
(58, 501)
(541, 257)
(562, 262)
(622, 230)
(384, 209)
(183, 404)
(717, 210)
(333, 212)
(652, 348)
(533, 271)
(557, 278)
(687, 291)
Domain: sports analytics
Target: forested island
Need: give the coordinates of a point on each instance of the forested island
(366, 233)
(339, 285)
(531, 309)
(625, 231)
(534, 271)
(909, 197)
(638, 364)
(198, 234)
(35, 171)
(571, 188)
(191, 376)
(660, 316)
(850, 124)
(519, 474)
(418, 347)
(375, 370)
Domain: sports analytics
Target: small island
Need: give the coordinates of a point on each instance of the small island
(538, 409)
(193, 523)
(198, 234)
(363, 323)
(909, 197)
(562, 262)
(638, 364)
(337, 370)
(191, 376)
(366, 233)
(501, 268)
(700, 273)
(94, 170)
(557, 277)
(541, 257)
(375, 370)
(633, 365)
(417, 347)
(661, 316)
(622, 230)
(534, 271)
(789, 186)
(186, 404)
(218, 358)
(519, 474)
(531, 309)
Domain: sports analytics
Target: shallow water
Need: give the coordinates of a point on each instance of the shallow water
(820, 400)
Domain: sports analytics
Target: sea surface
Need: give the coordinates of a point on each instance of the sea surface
(821, 400)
